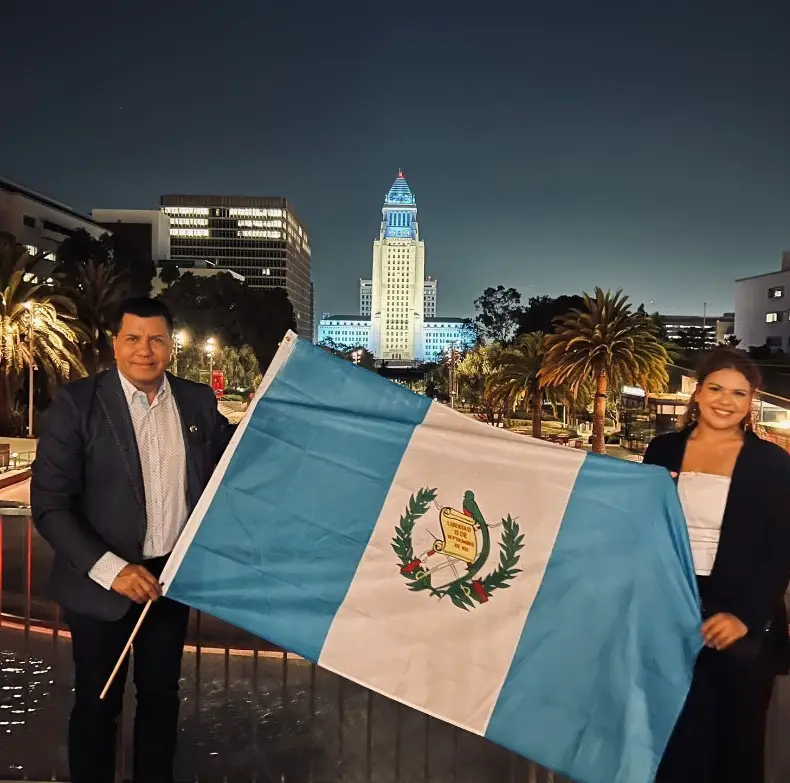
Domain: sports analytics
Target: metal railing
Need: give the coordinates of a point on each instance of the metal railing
(250, 712)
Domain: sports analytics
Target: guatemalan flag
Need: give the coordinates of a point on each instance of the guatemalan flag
(530, 593)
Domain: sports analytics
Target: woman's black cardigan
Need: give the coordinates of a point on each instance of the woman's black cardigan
(752, 566)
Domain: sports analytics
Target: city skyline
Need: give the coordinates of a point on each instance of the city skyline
(554, 150)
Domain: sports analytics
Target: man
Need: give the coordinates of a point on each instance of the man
(121, 462)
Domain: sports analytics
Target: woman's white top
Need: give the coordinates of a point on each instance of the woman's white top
(703, 497)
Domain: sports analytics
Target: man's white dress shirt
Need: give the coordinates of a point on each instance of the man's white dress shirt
(160, 443)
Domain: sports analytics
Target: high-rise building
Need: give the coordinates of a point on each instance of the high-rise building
(429, 298)
(397, 290)
(365, 296)
(397, 318)
(259, 237)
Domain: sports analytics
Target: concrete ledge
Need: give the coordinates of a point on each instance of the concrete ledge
(14, 477)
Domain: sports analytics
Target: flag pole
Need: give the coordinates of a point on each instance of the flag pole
(125, 652)
(284, 350)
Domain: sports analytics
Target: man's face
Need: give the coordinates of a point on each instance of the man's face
(142, 349)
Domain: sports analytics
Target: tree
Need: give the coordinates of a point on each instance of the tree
(541, 311)
(29, 308)
(498, 311)
(129, 260)
(233, 312)
(239, 366)
(691, 339)
(607, 342)
(357, 354)
(658, 322)
(732, 340)
(169, 273)
(517, 376)
(473, 372)
(97, 288)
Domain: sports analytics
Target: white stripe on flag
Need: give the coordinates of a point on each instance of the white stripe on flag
(424, 651)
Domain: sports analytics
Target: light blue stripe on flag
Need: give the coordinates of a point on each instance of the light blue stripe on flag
(323, 442)
(566, 701)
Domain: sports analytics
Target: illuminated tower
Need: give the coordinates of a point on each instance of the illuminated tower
(397, 296)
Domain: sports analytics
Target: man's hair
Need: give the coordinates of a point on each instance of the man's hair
(142, 307)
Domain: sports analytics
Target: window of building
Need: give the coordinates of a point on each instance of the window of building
(29, 221)
(774, 342)
(777, 292)
(56, 228)
(773, 318)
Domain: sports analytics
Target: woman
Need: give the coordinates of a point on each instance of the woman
(735, 492)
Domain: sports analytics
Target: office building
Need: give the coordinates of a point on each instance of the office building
(141, 237)
(39, 222)
(260, 238)
(697, 331)
(429, 298)
(762, 308)
(397, 290)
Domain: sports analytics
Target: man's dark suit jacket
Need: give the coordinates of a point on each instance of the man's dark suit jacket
(752, 566)
(87, 493)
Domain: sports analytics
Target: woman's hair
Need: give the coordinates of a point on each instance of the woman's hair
(723, 358)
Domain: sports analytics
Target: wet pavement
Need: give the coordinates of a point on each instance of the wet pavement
(274, 719)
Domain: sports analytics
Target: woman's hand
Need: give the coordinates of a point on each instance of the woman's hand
(723, 630)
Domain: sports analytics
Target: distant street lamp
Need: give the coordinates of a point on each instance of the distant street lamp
(179, 341)
(31, 336)
(356, 356)
(211, 346)
(451, 380)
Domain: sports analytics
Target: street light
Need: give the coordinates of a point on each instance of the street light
(31, 335)
(179, 341)
(356, 355)
(211, 346)
(451, 373)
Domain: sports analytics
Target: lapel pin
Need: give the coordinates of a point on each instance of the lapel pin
(193, 428)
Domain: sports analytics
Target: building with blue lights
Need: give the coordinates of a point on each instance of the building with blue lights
(344, 331)
(397, 318)
(347, 332)
(397, 303)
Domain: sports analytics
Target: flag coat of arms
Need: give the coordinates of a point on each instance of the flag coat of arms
(533, 594)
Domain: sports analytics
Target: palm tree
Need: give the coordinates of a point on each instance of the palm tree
(517, 376)
(97, 287)
(32, 309)
(607, 342)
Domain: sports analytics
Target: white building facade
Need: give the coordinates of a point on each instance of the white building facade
(439, 335)
(155, 224)
(39, 222)
(762, 309)
(429, 297)
(397, 284)
(344, 331)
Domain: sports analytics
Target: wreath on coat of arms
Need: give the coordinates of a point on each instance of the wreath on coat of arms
(462, 548)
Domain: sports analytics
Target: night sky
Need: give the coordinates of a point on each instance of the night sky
(553, 148)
